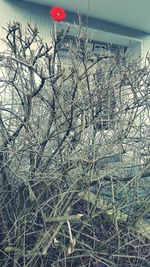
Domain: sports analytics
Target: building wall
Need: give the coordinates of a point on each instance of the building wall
(23, 12)
(145, 46)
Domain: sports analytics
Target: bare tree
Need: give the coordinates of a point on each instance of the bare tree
(74, 153)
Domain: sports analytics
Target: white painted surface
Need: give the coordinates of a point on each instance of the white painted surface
(130, 13)
(23, 13)
(146, 46)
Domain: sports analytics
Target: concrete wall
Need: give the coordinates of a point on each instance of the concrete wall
(18, 10)
(145, 46)
(23, 12)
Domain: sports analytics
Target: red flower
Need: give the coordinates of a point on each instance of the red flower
(57, 13)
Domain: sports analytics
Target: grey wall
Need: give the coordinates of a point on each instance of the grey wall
(23, 12)
(18, 10)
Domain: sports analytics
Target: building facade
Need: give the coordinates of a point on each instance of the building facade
(106, 21)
